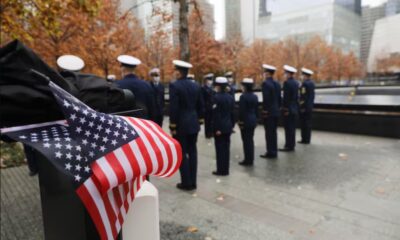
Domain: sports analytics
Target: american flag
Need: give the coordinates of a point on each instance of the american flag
(105, 156)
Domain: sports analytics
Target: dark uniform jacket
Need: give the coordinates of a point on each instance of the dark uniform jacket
(186, 107)
(159, 98)
(207, 93)
(271, 91)
(307, 94)
(291, 96)
(248, 110)
(223, 119)
(232, 89)
(143, 94)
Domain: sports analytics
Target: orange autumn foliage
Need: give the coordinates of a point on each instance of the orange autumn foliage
(388, 64)
(98, 32)
(205, 51)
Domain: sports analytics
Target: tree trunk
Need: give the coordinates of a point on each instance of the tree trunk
(184, 30)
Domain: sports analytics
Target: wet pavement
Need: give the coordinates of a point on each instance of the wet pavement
(341, 186)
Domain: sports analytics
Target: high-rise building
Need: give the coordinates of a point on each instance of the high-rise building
(232, 19)
(145, 10)
(368, 19)
(207, 11)
(385, 41)
(336, 21)
(352, 5)
(392, 7)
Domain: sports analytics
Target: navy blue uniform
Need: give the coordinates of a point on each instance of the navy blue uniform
(223, 122)
(186, 110)
(144, 95)
(248, 114)
(232, 89)
(208, 94)
(307, 94)
(159, 100)
(290, 110)
(271, 91)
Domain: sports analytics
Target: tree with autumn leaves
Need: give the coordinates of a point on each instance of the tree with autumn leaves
(98, 31)
(95, 30)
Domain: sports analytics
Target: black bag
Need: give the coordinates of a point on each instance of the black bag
(26, 99)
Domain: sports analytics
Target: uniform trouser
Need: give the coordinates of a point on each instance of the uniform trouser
(188, 168)
(208, 131)
(289, 123)
(271, 136)
(222, 147)
(305, 124)
(248, 144)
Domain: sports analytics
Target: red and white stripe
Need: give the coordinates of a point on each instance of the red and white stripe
(154, 152)
(108, 210)
(117, 176)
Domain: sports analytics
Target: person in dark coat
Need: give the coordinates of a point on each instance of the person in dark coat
(248, 115)
(186, 116)
(271, 91)
(290, 108)
(159, 98)
(208, 94)
(223, 124)
(231, 83)
(144, 95)
(307, 94)
(191, 77)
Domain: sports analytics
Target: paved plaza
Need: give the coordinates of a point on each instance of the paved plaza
(341, 187)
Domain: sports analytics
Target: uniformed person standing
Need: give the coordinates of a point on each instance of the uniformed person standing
(271, 91)
(144, 95)
(70, 63)
(231, 83)
(248, 115)
(159, 98)
(223, 124)
(307, 94)
(290, 108)
(186, 115)
(208, 94)
(191, 77)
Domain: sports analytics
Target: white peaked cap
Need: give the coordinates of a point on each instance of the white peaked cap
(221, 80)
(290, 69)
(70, 63)
(182, 64)
(209, 75)
(190, 76)
(228, 74)
(269, 67)
(128, 60)
(154, 70)
(307, 71)
(111, 76)
(248, 80)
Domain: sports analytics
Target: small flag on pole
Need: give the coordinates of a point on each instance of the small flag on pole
(106, 157)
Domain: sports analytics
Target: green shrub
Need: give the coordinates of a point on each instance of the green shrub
(11, 154)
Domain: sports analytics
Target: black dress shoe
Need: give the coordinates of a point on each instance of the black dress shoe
(303, 142)
(219, 174)
(185, 188)
(266, 155)
(246, 164)
(286, 149)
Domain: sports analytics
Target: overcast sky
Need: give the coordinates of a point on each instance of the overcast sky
(219, 14)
